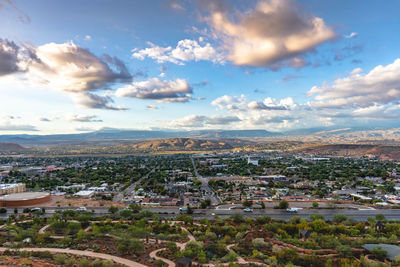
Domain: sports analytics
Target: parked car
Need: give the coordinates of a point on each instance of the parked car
(36, 210)
(248, 210)
(81, 209)
(292, 209)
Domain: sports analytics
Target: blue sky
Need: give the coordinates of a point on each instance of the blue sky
(75, 66)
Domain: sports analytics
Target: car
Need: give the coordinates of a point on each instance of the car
(248, 210)
(292, 209)
(81, 209)
(36, 210)
(183, 209)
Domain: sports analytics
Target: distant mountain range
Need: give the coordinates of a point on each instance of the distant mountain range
(120, 135)
(327, 134)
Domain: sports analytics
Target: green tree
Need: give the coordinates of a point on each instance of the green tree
(283, 204)
(247, 203)
(113, 210)
(379, 253)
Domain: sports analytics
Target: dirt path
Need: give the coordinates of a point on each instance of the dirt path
(103, 256)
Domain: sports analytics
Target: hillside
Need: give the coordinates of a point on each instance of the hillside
(181, 144)
(10, 147)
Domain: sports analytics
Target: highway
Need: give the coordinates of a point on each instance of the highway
(207, 191)
(357, 215)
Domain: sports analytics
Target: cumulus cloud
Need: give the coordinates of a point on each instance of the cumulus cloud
(200, 121)
(186, 50)
(160, 90)
(65, 67)
(230, 102)
(233, 103)
(380, 86)
(271, 104)
(274, 34)
(89, 100)
(9, 57)
(83, 118)
(68, 67)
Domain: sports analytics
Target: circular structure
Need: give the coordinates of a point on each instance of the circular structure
(24, 199)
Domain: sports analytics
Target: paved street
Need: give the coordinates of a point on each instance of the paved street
(130, 188)
(360, 214)
(208, 192)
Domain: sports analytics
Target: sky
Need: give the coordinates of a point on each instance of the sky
(278, 65)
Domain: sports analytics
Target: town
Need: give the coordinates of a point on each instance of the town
(285, 194)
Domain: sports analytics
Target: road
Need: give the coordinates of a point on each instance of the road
(130, 188)
(358, 215)
(207, 191)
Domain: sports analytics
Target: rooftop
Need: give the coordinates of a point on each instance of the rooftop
(24, 196)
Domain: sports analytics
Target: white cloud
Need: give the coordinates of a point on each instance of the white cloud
(351, 35)
(151, 107)
(65, 67)
(186, 50)
(200, 121)
(230, 102)
(70, 68)
(273, 34)
(83, 118)
(271, 104)
(160, 90)
(235, 103)
(380, 86)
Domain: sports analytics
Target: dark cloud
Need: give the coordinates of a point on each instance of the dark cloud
(8, 57)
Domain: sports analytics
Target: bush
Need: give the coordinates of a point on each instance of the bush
(379, 253)
(96, 263)
(231, 256)
(237, 218)
(70, 262)
(263, 219)
(83, 263)
(338, 218)
(283, 204)
(59, 259)
(107, 263)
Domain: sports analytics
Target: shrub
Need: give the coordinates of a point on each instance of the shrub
(96, 263)
(283, 204)
(83, 263)
(59, 259)
(69, 262)
(379, 253)
(338, 218)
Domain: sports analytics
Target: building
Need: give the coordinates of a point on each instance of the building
(253, 161)
(11, 188)
(84, 194)
(24, 199)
